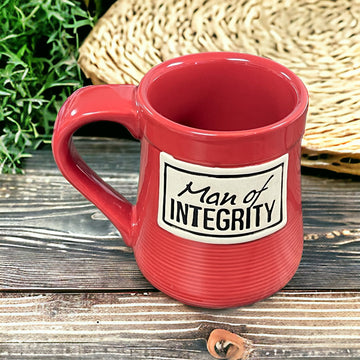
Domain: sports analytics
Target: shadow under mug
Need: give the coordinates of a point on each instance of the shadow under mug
(218, 221)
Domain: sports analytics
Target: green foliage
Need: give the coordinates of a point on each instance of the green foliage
(39, 40)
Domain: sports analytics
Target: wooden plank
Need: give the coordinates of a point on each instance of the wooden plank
(329, 262)
(330, 201)
(45, 259)
(106, 155)
(51, 238)
(152, 326)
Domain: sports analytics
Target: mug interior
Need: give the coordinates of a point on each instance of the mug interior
(222, 95)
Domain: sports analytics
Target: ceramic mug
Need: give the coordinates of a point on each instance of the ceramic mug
(218, 219)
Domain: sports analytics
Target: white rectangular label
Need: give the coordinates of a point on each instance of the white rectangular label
(222, 205)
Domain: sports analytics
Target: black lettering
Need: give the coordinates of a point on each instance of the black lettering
(248, 198)
(182, 212)
(207, 219)
(253, 195)
(269, 210)
(248, 217)
(226, 199)
(257, 214)
(195, 217)
(222, 223)
(215, 199)
(205, 190)
(187, 188)
(237, 217)
(172, 209)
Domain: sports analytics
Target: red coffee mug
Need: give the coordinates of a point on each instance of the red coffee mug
(218, 220)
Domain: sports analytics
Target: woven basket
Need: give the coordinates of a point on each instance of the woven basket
(318, 39)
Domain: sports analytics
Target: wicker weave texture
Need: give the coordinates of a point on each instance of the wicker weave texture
(318, 39)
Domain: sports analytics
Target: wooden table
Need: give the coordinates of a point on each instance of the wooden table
(70, 288)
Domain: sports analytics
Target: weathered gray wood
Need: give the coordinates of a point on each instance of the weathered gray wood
(45, 259)
(152, 326)
(51, 238)
(330, 203)
(109, 156)
(330, 261)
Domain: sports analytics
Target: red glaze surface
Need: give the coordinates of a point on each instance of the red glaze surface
(224, 110)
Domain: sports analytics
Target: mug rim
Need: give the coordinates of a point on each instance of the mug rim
(296, 83)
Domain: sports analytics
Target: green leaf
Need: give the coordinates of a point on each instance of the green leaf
(38, 49)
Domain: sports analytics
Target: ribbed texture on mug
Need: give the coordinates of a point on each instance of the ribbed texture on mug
(218, 276)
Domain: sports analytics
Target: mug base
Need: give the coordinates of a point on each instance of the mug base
(223, 276)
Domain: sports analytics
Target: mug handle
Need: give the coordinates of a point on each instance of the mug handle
(89, 104)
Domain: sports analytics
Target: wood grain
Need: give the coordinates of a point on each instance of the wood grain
(51, 238)
(152, 326)
(71, 289)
